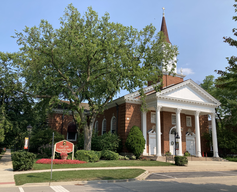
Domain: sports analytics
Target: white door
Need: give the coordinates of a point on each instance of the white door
(172, 144)
(190, 144)
(152, 146)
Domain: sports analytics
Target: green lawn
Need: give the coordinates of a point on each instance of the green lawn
(84, 175)
(111, 163)
(231, 159)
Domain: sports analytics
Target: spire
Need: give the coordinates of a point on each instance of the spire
(164, 27)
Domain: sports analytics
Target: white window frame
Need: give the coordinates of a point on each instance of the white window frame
(96, 126)
(153, 117)
(75, 139)
(104, 121)
(173, 119)
(190, 118)
(111, 124)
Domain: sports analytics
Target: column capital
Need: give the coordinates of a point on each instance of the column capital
(213, 115)
(197, 113)
(158, 107)
(178, 110)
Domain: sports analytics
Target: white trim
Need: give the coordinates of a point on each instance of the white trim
(75, 139)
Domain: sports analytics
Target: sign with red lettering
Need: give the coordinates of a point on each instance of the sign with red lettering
(64, 146)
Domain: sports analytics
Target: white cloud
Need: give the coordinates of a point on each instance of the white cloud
(186, 71)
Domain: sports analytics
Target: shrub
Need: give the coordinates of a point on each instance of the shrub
(121, 157)
(126, 157)
(181, 160)
(22, 160)
(135, 141)
(98, 153)
(107, 141)
(109, 155)
(133, 157)
(45, 150)
(186, 153)
(88, 156)
(44, 137)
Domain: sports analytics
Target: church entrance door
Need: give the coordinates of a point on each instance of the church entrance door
(190, 143)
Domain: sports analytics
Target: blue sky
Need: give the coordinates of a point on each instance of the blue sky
(196, 27)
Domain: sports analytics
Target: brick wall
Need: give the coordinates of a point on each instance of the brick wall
(169, 80)
(203, 120)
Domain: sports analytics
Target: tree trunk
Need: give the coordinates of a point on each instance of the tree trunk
(88, 130)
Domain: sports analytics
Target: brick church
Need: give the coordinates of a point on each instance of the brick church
(179, 111)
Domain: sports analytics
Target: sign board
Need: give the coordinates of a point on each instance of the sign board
(64, 146)
(26, 143)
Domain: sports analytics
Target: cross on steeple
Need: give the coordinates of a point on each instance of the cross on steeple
(163, 11)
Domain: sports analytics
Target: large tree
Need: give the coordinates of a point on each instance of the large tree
(89, 59)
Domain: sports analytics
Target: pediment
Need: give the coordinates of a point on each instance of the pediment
(188, 90)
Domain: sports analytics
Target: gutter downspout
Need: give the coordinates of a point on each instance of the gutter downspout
(117, 110)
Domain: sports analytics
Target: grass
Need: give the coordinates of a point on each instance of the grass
(1, 154)
(84, 175)
(231, 159)
(111, 163)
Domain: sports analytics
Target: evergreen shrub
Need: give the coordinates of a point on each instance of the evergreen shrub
(88, 156)
(98, 153)
(22, 160)
(135, 142)
(109, 155)
(180, 160)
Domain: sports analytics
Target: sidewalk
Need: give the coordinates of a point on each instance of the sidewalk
(6, 170)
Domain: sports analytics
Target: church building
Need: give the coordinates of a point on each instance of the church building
(179, 112)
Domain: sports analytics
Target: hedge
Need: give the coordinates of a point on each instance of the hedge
(22, 160)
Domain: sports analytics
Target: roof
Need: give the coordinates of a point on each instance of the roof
(164, 30)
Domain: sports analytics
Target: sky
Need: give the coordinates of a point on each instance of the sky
(197, 28)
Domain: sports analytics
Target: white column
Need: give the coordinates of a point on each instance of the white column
(178, 127)
(144, 131)
(158, 131)
(214, 135)
(197, 131)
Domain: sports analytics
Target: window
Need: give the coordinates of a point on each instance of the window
(72, 132)
(103, 127)
(188, 121)
(153, 117)
(96, 126)
(173, 119)
(113, 124)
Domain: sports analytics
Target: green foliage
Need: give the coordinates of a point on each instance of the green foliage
(88, 156)
(180, 160)
(167, 153)
(22, 160)
(133, 157)
(135, 141)
(107, 141)
(45, 151)
(98, 153)
(89, 58)
(43, 137)
(186, 153)
(109, 155)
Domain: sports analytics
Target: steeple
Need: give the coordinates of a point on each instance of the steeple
(164, 27)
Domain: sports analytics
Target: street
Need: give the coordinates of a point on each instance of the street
(168, 182)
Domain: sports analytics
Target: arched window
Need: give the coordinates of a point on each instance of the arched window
(113, 125)
(72, 132)
(103, 127)
(96, 127)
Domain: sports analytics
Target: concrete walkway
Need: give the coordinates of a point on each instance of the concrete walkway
(6, 170)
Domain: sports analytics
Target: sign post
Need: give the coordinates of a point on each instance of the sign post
(64, 146)
(52, 156)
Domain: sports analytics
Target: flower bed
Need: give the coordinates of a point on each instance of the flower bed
(59, 161)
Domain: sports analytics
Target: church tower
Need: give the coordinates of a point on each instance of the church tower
(169, 79)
